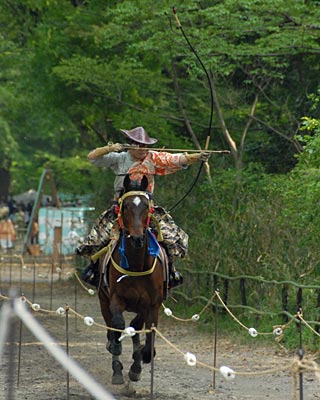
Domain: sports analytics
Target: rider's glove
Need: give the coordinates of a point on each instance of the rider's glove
(101, 151)
(204, 156)
(192, 158)
(113, 147)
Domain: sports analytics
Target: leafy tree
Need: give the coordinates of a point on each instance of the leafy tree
(85, 69)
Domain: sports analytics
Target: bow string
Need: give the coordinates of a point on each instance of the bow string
(211, 108)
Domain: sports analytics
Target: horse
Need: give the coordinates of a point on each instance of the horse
(134, 280)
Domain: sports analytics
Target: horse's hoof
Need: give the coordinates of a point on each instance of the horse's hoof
(117, 379)
(133, 376)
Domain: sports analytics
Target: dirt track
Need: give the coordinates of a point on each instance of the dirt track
(42, 378)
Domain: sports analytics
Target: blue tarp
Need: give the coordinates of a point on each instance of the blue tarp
(69, 221)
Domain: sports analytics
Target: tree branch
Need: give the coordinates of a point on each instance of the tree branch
(246, 128)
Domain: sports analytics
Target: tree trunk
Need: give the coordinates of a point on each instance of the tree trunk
(4, 183)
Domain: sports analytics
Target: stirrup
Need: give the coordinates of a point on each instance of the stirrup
(90, 275)
(87, 273)
(175, 279)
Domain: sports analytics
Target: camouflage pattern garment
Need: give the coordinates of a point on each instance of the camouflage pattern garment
(174, 238)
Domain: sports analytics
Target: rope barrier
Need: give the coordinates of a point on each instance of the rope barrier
(296, 366)
(307, 324)
(277, 329)
(36, 307)
(248, 308)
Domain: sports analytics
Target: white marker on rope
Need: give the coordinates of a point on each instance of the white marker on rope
(253, 332)
(35, 307)
(278, 331)
(168, 312)
(88, 321)
(227, 373)
(128, 332)
(60, 311)
(195, 317)
(190, 359)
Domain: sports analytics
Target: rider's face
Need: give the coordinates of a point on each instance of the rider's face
(138, 152)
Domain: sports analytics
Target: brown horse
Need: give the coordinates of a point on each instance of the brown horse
(135, 280)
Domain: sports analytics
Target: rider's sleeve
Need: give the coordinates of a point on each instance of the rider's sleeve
(110, 160)
(166, 163)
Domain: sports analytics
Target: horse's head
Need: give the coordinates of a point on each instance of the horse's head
(135, 207)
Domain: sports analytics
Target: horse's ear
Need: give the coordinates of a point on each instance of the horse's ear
(144, 183)
(127, 183)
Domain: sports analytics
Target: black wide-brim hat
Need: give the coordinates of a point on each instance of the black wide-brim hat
(139, 135)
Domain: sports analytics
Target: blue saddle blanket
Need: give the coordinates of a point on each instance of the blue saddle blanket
(153, 249)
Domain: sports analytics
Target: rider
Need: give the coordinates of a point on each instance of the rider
(137, 161)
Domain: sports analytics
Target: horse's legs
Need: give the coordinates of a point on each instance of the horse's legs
(135, 369)
(115, 348)
(106, 313)
(118, 323)
(151, 319)
(117, 377)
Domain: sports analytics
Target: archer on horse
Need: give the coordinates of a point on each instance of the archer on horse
(137, 161)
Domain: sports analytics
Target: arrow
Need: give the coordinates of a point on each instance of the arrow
(177, 150)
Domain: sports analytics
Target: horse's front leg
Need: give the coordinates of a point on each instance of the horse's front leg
(117, 307)
(111, 346)
(114, 345)
(115, 348)
(151, 320)
(135, 369)
(106, 313)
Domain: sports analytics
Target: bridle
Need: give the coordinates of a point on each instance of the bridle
(119, 211)
(119, 207)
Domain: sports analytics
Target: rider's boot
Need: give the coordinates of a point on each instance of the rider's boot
(175, 277)
(90, 274)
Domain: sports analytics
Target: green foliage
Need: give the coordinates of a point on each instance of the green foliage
(255, 224)
(91, 68)
(72, 175)
(310, 158)
(8, 145)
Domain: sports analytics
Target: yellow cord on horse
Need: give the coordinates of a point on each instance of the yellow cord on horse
(133, 273)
